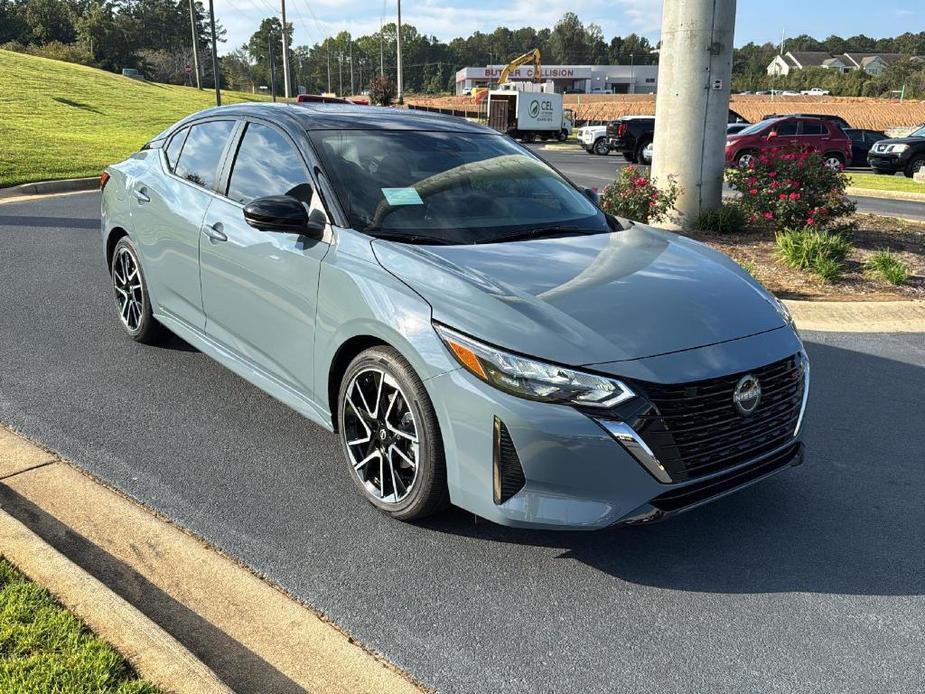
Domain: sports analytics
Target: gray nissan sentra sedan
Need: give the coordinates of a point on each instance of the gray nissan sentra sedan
(472, 326)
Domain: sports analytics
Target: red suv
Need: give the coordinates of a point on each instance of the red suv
(816, 134)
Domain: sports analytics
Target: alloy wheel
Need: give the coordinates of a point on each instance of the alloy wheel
(745, 160)
(381, 435)
(601, 147)
(833, 163)
(126, 281)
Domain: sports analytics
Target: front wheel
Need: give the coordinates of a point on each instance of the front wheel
(131, 293)
(562, 136)
(915, 166)
(390, 436)
(601, 147)
(643, 155)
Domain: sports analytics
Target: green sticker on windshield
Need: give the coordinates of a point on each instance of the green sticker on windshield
(402, 196)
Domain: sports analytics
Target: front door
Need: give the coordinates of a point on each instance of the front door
(259, 288)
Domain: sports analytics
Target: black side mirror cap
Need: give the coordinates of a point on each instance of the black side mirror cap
(282, 213)
(593, 195)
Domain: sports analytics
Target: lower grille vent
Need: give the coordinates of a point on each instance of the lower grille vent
(508, 474)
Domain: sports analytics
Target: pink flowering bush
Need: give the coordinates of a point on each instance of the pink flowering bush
(635, 196)
(791, 189)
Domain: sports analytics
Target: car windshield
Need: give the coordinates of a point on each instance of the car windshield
(450, 187)
(757, 127)
(919, 133)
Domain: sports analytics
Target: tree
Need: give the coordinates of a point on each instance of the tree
(568, 42)
(48, 20)
(382, 91)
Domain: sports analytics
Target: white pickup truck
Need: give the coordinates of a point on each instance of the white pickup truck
(815, 91)
(593, 139)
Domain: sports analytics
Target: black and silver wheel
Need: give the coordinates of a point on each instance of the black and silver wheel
(745, 159)
(601, 147)
(644, 154)
(915, 166)
(390, 436)
(131, 294)
(834, 161)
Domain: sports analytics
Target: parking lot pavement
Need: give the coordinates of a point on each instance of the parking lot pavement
(593, 171)
(813, 581)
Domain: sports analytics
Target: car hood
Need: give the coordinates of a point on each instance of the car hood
(901, 141)
(587, 299)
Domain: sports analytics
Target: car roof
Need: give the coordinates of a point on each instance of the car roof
(320, 116)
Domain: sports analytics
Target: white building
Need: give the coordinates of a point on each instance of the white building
(587, 79)
(871, 63)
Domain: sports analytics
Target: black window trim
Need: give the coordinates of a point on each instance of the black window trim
(168, 141)
(189, 125)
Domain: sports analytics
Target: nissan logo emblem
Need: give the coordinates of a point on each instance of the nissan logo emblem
(747, 395)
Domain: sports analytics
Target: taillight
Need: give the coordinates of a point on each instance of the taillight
(621, 129)
(104, 179)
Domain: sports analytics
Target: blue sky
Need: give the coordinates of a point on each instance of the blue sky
(757, 20)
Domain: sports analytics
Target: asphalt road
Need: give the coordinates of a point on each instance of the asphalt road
(593, 171)
(813, 581)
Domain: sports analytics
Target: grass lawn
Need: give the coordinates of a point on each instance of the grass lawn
(61, 120)
(43, 648)
(877, 182)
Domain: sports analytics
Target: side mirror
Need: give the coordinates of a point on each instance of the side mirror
(592, 195)
(772, 134)
(283, 213)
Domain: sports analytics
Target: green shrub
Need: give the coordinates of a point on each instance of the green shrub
(750, 267)
(791, 189)
(885, 265)
(636, 196)
(815, 251)
(728, 218)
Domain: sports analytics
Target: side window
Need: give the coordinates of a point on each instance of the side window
(174, 146)
(786, 128)
(811, 127)
(267, 164)
(202, 152)
(873, 138)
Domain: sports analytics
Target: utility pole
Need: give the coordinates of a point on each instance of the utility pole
(352, 88)
(285, 52)
(340, 73)
(192, 22)
(692, 102)
(381, 52)
(329, 68)
(401, 88)
(272, 69)
(215, 75)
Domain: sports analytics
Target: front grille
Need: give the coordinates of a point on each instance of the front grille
(694, 428)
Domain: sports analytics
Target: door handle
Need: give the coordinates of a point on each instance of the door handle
(215, 232)
(141, 196)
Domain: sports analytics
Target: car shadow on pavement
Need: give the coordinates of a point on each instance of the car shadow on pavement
(31, 221)
(850, 520)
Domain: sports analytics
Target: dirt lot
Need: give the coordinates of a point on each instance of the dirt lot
(874, 234)
(878, 114)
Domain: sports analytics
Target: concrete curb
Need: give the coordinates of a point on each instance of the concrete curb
(885, 194)
(68, 185)
(154, 654)
(859, 316)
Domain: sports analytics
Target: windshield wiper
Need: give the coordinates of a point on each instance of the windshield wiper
(546, 232)
(406, 237)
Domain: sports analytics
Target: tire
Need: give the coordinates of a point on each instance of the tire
(562, 136)
(640, 155)
(401, 429)
(528, 137)
(883, 172)
(601, 148)
(630, 157)
(915, 165)
(133, 302)
(834, 160)
(745, 157)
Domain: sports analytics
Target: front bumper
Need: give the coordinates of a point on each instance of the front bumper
(576, 474)
(886, 162)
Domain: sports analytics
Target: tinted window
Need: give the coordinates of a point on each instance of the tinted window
(874, 137)
(450, 187)
(267, 164)
(787, 127)
(173, 148)
(758, 127)
(813, 128)
(202, 152)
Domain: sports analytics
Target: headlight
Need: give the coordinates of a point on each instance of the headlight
(784, 312)
(532, 379)
(897, 148)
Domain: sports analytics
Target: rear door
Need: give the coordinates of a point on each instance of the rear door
(171, 206)
(259, 288)
(813, 135)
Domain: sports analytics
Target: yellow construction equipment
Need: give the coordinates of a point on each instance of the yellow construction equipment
(527, 57)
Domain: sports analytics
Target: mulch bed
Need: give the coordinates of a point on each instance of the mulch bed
(874, 233)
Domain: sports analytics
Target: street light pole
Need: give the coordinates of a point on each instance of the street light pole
(352, 88)
(192, 21)
(285, 52)
(272, 69)
(215, 75)
(401, 89)
(329, 66)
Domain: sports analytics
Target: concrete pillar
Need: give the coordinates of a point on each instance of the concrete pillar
(692, 104)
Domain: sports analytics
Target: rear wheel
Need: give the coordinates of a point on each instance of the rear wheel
(630, 157)
(528, 137)
(642, 155)
(562, 136)
(601, 147)
(131, 293)
(745, 159)
(390, 436)
(834, 161)
(914, 166)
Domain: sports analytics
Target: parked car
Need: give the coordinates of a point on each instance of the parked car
(841, 122)
(630, 135)
(905, 154)
(733, 128)
(593, 138)
(470, 324)
(861, 142)
(815, 91)
(816, 134)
